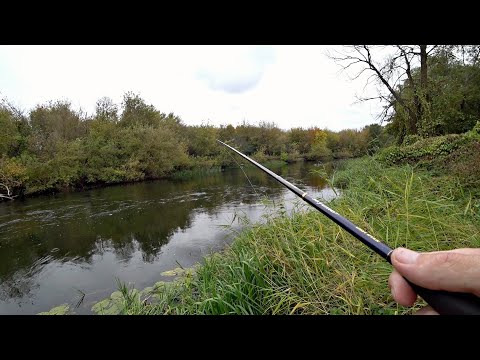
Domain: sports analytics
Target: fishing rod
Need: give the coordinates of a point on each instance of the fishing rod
(444, 302)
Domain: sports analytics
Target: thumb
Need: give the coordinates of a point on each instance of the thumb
(455, 270)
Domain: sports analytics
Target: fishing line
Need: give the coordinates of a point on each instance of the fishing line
(240, 166)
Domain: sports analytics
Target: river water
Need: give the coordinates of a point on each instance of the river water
(55, 248)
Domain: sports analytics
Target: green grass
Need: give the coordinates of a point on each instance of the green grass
(305, 264)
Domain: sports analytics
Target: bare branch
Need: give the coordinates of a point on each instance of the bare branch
(7, 197)
(9, 194)
(359, 74)
(408, 70)
(431, 50)
(368, 81)
(397, 80)
(370, 98)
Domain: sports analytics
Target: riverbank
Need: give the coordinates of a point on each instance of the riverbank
(201, 169)
(181, 174)
(426, 196)
(305, 264)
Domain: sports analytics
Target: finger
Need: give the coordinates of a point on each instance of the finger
(443, 270)
(427, 310)
(466, 251)
(402, 292)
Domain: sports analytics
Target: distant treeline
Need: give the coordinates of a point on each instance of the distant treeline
(54, 147)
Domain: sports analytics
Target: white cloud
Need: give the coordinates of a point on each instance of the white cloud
(289, 85)
(235, 69)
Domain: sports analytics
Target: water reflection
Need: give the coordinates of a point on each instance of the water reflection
(51, 246)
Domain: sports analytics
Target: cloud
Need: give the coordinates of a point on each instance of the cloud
(235, 69)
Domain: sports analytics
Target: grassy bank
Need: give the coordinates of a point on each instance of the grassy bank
(305, 264)
(426, 196)
(196, 168)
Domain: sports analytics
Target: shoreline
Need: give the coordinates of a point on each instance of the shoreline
(174, 176)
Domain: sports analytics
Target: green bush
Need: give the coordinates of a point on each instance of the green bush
(474, 134)
(411, 139)
(13, 174)
(422, 149)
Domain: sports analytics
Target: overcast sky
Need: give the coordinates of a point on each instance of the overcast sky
(292, 86)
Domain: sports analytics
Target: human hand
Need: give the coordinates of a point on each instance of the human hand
(454, 270)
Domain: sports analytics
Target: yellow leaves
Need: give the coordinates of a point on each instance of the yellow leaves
(12, 172)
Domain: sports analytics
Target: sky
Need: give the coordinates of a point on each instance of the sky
(291, 86)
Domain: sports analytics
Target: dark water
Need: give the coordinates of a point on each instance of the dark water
(53, 246)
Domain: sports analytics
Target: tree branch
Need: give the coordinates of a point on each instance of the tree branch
(433, 48)
(9, 194)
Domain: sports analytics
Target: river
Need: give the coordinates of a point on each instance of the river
(58, 249)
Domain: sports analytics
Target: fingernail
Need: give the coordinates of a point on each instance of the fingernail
(406, 256)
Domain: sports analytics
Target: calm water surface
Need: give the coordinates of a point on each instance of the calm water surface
(53, 246)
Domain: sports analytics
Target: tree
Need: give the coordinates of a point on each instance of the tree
(137, 112)
(14, 130)
(106, 110)
(53, 124)
(376, 137)
(453, 93)
(464, 54)
(390, 72)
(202, 140)
(297, 137)
(8, 133)
(319, 150)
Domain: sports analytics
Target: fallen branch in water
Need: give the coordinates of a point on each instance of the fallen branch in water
(9, 193)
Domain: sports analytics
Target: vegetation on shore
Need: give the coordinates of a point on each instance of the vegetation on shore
(55, 148)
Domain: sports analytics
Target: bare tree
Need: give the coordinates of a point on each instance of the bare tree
(390, 71)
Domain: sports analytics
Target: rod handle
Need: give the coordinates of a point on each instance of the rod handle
(449, 303)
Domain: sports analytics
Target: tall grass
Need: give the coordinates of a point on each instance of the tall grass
(305, 264)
